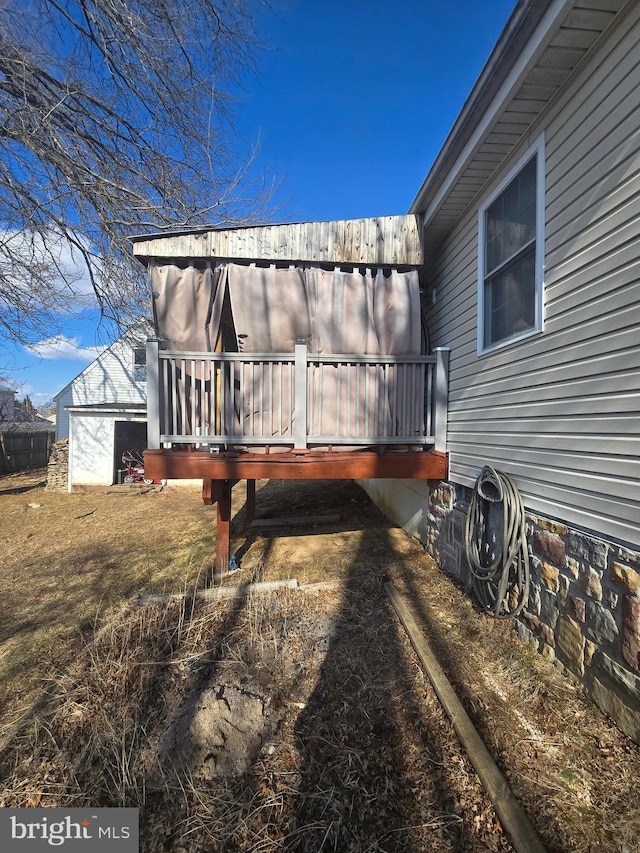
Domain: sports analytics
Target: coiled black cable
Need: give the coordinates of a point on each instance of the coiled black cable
(499, 569)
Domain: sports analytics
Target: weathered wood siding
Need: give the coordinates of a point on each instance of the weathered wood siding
(560, 411)
(108, 379)
(385, 240)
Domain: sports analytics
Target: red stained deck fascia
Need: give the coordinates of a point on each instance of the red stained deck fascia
(354, 465)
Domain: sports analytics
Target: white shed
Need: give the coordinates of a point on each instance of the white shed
(103, 411)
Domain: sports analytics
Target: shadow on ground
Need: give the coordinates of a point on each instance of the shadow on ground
(346, 745)
(294, 721)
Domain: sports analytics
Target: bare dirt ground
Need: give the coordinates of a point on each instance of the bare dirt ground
(297, 720)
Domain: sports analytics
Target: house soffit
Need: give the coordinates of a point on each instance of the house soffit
(556, 47)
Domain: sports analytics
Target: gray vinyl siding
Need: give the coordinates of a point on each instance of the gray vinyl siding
(108, 379)
(559, 411)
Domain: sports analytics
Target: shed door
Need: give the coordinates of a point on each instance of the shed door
(129, 435)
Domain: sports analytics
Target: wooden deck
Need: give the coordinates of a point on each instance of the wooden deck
(221, 471)
(225, 417)
(221, 417)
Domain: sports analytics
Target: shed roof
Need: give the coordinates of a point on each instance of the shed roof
(394, 241)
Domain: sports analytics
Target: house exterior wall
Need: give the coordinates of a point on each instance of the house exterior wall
(110, 378)
(405, 502)
(583, 609)
(559, 411)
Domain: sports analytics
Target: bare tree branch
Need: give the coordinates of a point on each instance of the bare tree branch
(115, 118)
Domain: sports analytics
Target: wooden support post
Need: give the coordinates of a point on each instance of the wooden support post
(212, 489)
(223, 529)
(251, 500)
(208, 492)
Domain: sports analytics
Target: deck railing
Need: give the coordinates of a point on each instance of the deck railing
(300, 399)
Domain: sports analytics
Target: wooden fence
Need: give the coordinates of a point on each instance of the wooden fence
(22, 450)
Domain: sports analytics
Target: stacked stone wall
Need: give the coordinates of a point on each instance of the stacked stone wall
(58, 467)
(584, 602)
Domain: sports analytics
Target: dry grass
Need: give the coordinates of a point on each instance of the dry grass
(569, 766)
(343, 762)
(67, 557)
(354, 751)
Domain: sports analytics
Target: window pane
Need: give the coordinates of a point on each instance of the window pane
(510, 221)
(510, 300)
(140, 364)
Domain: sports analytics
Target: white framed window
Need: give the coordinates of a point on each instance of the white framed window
(140, 364)
(511, 255)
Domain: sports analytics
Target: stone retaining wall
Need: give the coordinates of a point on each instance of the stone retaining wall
(584, 603)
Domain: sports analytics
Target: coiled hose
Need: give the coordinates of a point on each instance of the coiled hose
(499, 569)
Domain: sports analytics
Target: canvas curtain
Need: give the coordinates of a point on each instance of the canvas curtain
(365, 315)
(187, 310)
(335, 312)
(187, 306)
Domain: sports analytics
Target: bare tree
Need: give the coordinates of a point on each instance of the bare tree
(116, 119)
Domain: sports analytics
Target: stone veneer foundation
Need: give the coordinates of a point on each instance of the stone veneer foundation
(584, 603)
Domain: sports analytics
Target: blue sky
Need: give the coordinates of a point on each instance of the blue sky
(351, 105)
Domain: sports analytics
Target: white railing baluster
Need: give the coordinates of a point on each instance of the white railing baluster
(367, 370)
(357, 403)
(387, 405)
(320, 400)
(194, 393)
(175, 387)
(222, 402)
(251, 370)
(427, 404)
(440, 395)
(290, 402)
(202, 419)
(419, 385)
(270, 393)
(350, 431)
(280, 417)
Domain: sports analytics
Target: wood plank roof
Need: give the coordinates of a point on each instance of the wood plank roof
(394, 241)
